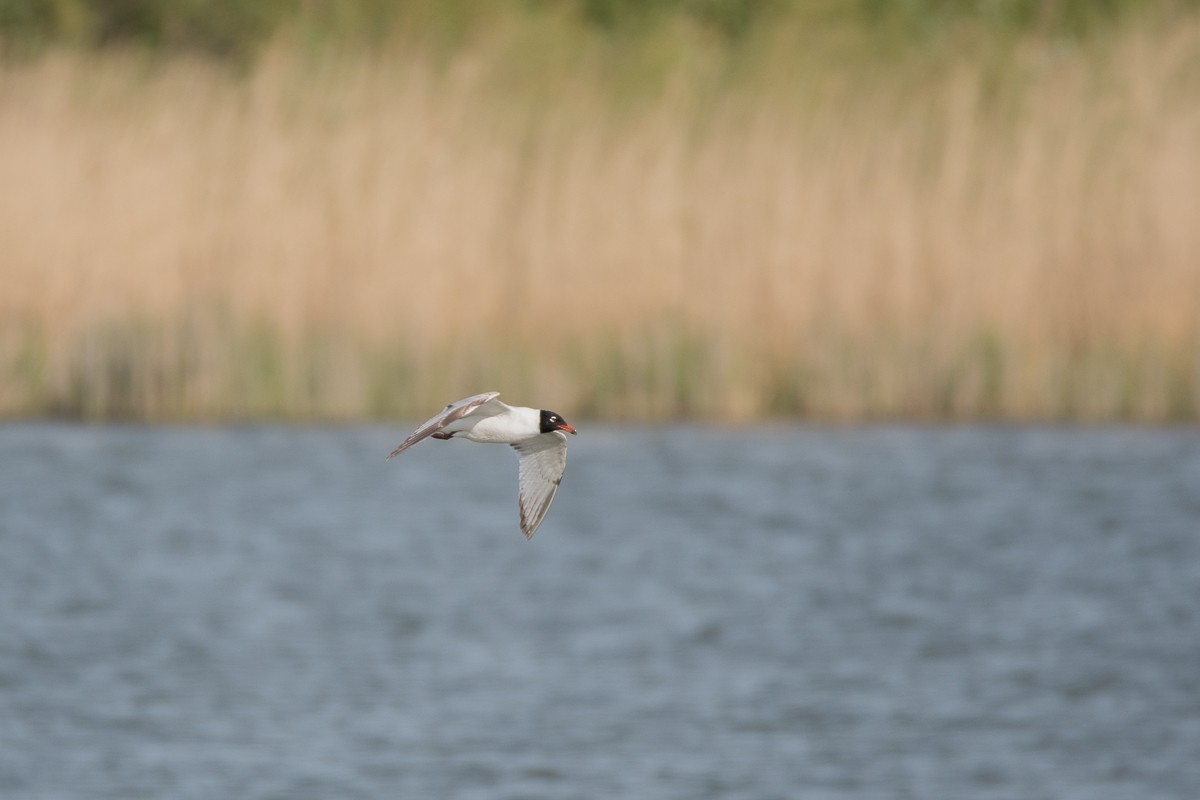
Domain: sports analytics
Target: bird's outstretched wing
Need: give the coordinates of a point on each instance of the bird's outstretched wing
(451, 413)
(542, 461)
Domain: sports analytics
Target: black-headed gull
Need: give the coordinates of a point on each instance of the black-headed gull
(534, 433)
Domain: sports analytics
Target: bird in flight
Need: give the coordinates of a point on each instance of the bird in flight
(536, 435)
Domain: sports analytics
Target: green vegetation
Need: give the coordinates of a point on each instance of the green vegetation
(238, 29)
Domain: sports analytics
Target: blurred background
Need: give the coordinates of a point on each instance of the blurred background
(722, 210)
(751, 249)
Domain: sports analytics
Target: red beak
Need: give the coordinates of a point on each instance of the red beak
(565, 427)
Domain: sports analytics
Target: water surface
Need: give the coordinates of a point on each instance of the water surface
(757, 613)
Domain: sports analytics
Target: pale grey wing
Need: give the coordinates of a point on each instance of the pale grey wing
(449, 414)
(542, 461)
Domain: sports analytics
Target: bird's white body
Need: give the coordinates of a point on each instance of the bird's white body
(533, 433)
(511, 425)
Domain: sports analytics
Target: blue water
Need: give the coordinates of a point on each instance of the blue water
(774, 612)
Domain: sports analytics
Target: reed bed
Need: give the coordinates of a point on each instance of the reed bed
(368, 236)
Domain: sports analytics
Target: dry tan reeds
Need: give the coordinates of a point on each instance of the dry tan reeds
(365, 237)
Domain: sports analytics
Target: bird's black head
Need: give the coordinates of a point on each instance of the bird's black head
(554, 422)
